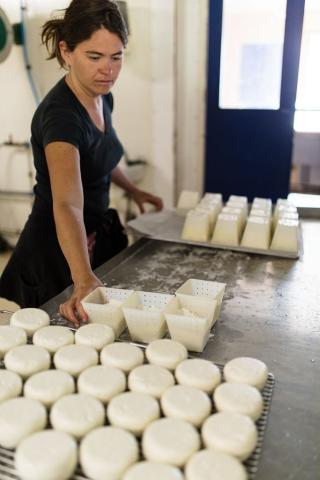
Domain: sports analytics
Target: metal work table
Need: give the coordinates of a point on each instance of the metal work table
(270, 311)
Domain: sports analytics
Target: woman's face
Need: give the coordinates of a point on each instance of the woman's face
(95, 63)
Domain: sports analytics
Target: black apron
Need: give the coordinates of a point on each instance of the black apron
(38, 270)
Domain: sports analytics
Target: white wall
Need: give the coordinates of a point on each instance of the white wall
(144, 114)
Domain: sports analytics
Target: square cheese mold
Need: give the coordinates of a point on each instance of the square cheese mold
(187, 323)
(144, 314)
(204, 296)
(104, 305)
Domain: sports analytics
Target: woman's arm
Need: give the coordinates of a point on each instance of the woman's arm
(139, 196)
(67, 194)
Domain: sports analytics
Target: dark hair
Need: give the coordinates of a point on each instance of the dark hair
(81, 19)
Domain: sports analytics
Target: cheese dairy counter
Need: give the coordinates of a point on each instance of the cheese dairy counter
(270, 311)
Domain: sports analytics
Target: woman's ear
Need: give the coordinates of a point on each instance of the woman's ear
(65, 53)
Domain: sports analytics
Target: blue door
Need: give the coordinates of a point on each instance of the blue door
(252, 80)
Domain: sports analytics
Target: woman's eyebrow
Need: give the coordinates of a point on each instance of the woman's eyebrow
(93, 52)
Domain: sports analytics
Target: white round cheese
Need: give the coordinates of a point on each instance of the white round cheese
(48, 386)
(208, 464)
(53, 337)
(246, 370)
(10, 385)
(75, 358)
(11, 337)
(170, 440)
(77, 414)
(166, 353)
(20, 417)
(133, 411)
(102, 382)
(154, 471)
(150, 379)
(186, 403)
(121, 355)
(231, 433)
(94, 335)
(30, 319)
(48, 455)
(27, 360)
(107, 452)
(238, 398)
(198, 373)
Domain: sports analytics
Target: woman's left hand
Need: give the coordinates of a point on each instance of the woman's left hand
(140, 197)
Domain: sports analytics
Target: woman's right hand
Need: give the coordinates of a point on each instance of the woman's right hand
(72, 309)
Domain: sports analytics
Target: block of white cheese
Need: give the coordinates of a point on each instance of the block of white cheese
(262, 203)
(286, 236)
(48, 386)
(198, 373)
(107, 452)
(49, 455)
(30, 319)
(53, 337)
(238, 398)
(133, 411)
(150, 379)
(197, 226)
(187, 200)
(212, 209)
(77, 414)
(227, 230)
(26, 360)
(102, 382)
(257, 233)
(170, 440)
(246, 370)
(231, 433)
(238, 201)
(186, 403)
(239, 211)
(20, 417)
(208, 464)
(260, 212)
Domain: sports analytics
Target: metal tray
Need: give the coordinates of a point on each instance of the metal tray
(7, 470)
(167, 225)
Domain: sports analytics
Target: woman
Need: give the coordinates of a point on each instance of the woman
(70, 230)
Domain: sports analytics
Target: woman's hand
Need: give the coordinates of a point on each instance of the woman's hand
(72, 309)
(140, 197)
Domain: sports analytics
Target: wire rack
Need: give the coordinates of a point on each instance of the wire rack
(7, 470)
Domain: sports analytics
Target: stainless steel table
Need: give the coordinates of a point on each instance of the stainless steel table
(271, 310)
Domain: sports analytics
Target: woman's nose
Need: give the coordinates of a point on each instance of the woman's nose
(107, 67)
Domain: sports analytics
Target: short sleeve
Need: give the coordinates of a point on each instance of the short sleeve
(62, 124)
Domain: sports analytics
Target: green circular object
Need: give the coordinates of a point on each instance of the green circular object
(6, 36)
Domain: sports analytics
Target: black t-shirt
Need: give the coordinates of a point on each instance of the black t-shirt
(61, 117)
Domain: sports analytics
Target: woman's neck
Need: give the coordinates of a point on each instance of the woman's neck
(84, 97)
